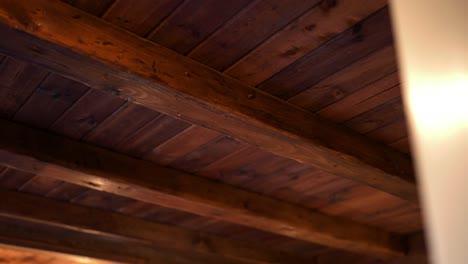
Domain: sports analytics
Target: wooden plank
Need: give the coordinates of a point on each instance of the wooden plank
(363, 100)
(148, 137)
(246, 30)
(40, 185)
(141, 16)
(205, 155)
(96, 8)
(185, 142)
(86, 114)
(378, 117)
(50, 100)
(121, 124)
(14, 179)
(31, 150)
(18, 81)
(35, 209)
(34, 235)
(348, 80)
(300, 37)
(162, 80)
(357, 42)
(21, 255)
(193, 21)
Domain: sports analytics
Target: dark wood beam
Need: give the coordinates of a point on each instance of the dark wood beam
(78, 45)
(37, 236)
(416, 253)
(43, 153)
(40, 210)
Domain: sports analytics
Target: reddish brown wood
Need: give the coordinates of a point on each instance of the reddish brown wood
(19, 80)
(148, 137)
(193, 21)
(348, 80)
(40, 185)
(246, 30)
(121, 124)
(86, 114)
(96, 8)
(357, 42)
(378, 117)
(157, 78)
(13, 179)
(50, 100)
(141, 16)
(184, 143)
(33, 235)
(363, 100)
(40, 210)
(111, 172)
(300, 37)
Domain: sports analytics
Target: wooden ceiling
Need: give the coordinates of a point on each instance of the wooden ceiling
(205, 131)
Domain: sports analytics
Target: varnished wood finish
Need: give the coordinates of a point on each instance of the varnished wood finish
(31, 150)
(38, 236)
(305, 34)
(17, 255)
(68, 41)
(64, 215)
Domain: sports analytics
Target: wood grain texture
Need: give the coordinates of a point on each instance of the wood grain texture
(19, 80)
(96, 8)
(360, 40)
(348, 80)
(35, 209)
(249, 28)
(363, 100)
(49, 101)
(193, 22)
(141, 16)
(164, 81)
(298, 38)
(86, 114)
(16, 255)
(140, 180)
(39, 236)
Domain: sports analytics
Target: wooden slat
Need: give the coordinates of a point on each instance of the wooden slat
(121, 124)
(42, 153)
(34, 235)
(185, 142)
(246, 30)
(300, 37)
(156, 132)
(64, 215)
(86, 114)
(13, 179)
(378, 117)
(363, 100)
(53, 97)
(193, 21)
(141, 16)
(17, 255)
(94, 7)
(348, 80)
(363, 38)
(110, 59)
(19, 79)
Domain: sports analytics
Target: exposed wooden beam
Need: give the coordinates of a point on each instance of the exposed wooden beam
(30, 208)
(416, 254)
(90, 50)
(42, 153)
(43, 237)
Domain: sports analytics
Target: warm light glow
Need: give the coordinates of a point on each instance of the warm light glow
(439, 103)
(432, 44)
